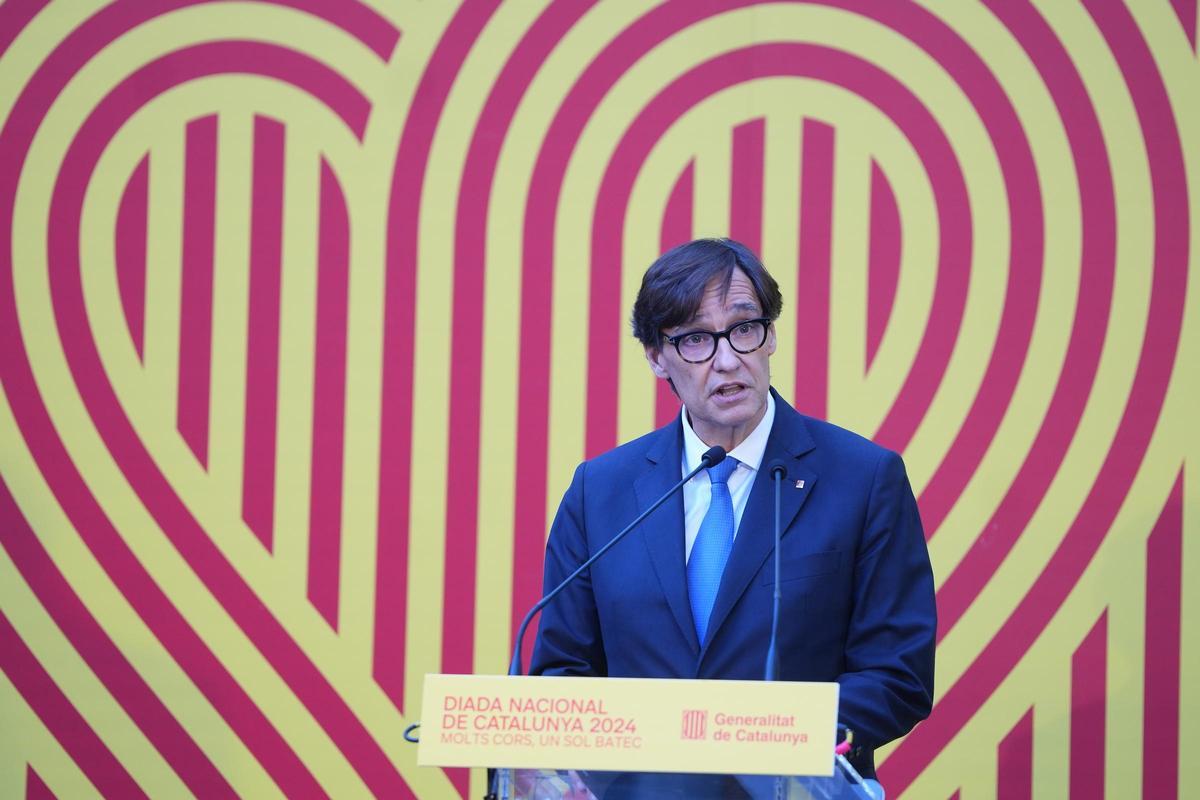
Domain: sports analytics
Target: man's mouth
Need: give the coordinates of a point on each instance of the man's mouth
(728, 389)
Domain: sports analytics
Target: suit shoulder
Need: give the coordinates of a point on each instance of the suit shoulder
(835, 439)
(653, 445)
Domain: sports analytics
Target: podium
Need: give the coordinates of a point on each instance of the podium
(549, 784)
(575, 738)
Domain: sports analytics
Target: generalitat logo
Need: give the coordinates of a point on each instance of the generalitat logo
(695, 723)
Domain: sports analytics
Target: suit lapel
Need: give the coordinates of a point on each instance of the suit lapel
(663, 530)
(755, 539)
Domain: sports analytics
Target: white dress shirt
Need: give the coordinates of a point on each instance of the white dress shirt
(697, 493)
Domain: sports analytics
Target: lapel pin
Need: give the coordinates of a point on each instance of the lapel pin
(799, 484)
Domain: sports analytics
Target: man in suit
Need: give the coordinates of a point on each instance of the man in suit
(689, 594)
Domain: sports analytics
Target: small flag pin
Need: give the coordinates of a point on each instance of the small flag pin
(799, 484)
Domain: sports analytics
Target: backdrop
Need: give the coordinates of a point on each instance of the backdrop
(310, 307)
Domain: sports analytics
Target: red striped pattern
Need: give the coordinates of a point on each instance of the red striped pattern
(1088, 703)
(312, 689)
(262, 335)
(14, 16)
(1014, 768)
(467, 339)
(883, 263)
(746, 183)
(694, 724)
(395, 469)
(1145, 401)
(60, 717)
(131, 253)
(1186, 11)
(1164, 593)
(102, 656)
(1083, 352)
(814, 279)
(195, 318)
(677, 227)
(677, 219)
(329, 399)
(349, 101)
(35, 789)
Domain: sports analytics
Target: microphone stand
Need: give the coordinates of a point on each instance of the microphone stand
(498, 779)
(778, 471)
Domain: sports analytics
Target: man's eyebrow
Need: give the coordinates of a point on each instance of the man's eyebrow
(745, 306)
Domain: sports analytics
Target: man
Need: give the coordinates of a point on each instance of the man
(689, 594)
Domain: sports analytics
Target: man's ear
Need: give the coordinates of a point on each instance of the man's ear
(654, 355)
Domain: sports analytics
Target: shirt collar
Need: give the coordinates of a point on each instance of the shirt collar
(749, 453)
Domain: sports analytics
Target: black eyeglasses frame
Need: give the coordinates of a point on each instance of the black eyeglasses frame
(717, 336)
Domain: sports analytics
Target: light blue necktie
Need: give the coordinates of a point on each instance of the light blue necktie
(711, 549)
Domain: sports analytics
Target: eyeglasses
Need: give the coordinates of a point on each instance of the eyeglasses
(696, 347)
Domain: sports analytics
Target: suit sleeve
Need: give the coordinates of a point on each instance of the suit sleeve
(887, 686)
(569, 640)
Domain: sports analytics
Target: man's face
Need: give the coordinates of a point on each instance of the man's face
(725, 396)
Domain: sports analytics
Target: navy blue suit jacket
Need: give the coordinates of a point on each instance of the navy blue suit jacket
(857, 588)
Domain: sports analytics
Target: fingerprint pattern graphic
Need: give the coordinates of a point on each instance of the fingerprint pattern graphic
(311, 307)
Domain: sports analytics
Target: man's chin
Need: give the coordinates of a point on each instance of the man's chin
(733, 416)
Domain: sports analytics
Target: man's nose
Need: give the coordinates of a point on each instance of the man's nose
(726, 358)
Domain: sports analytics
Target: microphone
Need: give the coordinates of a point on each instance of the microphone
(777, 469)
(711, 457)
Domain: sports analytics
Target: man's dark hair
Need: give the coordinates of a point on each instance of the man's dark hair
(673, 287)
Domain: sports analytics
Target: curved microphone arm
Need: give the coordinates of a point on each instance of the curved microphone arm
(711, 457)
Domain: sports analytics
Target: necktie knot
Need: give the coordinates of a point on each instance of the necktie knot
(721, 472)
